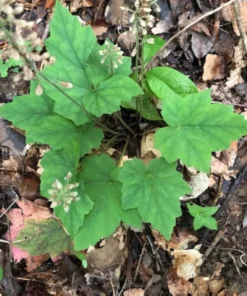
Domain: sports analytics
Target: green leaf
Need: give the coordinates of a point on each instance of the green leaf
(148, 110)
(28, 111)
(1, 273)
(74, 218)
(57, 164)
(198, 222)
(99, 177)
(154, 191)
(58, 74)
(71, 44)
(165, 81)
(196, 210)
(60, 132)
(40, 237)
(98, 72)
(3, 69)
(149, 50)
(197, 128)
(107, 97)
(202, 216)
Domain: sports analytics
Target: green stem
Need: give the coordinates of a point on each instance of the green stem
(123, 152)
(124, 124)
(140, 98)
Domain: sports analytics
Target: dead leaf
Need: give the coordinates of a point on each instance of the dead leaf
(200, 286)
(114, 15)
(180, 6)
(134, 292)
(201, 28)
(148, 152)
(229, 155)
(238, 63)
(199, 183)
(178, 241)
(178, 286)
(218, 167)
(214, 68)
(201, 44)
(77, 4)
(99, 29)
(49, 4)
(29, 187)
(108, 257)
(162, 27)
(186, 263)
(229, 16)
(17, 217)
(126, 40)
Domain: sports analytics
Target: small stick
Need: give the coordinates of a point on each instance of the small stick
(140, 260)
(239, 21)
(218, 237)
(9, 207)
(190, 25)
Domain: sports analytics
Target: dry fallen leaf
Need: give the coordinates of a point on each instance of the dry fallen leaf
(186, 263)
(201, 44)
(76, 4)
(148, 152)
(229, 16)
(201, 28)
(178, 241)
(17, 217)
(99, 29)
(199, 183)
(134, 292)
(114, 15)
(238, 62)
(214, 68)
(126, 40)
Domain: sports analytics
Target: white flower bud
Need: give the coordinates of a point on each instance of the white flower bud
(132, 18)
(18, 9)
(147, 9)
(57, 185)
(137, 4)
(54, 204)
(143, 23)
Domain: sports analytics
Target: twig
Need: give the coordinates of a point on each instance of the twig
(218, 237)
(239, 21)
(124, 124)
(112, 287)
(140, 260)
(190, 25)
(9, 207)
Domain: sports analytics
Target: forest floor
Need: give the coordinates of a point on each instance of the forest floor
(212, 55)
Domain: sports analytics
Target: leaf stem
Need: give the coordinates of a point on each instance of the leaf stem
(124, 124)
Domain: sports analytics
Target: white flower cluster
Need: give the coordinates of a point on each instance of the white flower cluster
(141, 18)
(26, 47)
(63, 195)
(113, 52)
